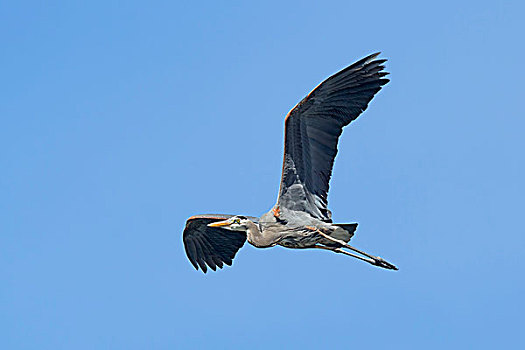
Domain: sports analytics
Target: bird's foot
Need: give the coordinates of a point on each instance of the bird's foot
(378, 261)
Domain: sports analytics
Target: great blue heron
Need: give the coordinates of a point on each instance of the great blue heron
(300, 218)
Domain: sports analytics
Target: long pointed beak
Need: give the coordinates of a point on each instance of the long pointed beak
(220, 223)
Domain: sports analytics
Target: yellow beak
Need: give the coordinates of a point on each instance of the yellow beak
(220, 223)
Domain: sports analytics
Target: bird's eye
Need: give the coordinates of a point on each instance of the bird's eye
(237, 221)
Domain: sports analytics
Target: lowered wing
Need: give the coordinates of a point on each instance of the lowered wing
(211, 246)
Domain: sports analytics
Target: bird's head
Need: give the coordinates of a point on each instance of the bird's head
(235, 223)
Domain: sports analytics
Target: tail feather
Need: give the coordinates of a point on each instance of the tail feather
(350, 228)
(344, 232)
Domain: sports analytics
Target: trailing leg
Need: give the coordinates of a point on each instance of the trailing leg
(339, 250)
(374, 260)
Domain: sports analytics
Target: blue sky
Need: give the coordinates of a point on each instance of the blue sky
(120, 120)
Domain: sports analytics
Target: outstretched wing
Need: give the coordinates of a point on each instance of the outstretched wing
(312, 129)
(210, 246)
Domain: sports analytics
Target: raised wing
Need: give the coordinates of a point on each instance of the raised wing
(312, 130)
(211, 246)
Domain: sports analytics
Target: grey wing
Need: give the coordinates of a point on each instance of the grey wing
(211, 246)
(312, 130)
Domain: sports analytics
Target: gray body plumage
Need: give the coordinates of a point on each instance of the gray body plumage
(295, 232)
(300, 218)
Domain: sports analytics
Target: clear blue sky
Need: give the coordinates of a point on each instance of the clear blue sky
(121, 119)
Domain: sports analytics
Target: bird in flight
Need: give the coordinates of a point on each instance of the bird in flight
(300, 218)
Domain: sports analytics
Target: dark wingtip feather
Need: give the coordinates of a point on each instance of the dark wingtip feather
(372, 58)
(373, 55)
(380, 62)
(363, 61)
